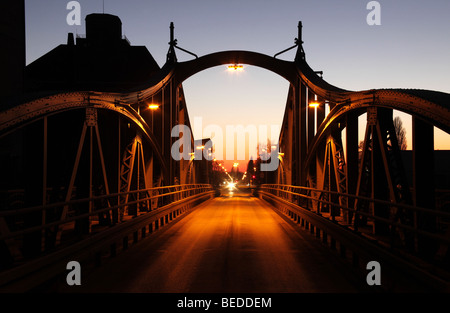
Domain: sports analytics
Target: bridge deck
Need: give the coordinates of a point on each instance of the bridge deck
(233, 243)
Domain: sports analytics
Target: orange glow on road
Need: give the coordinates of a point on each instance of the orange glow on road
(234, 243)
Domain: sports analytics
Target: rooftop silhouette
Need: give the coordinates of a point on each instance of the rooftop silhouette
(103, 60)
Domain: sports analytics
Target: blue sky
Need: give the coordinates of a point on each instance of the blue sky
(410, 49)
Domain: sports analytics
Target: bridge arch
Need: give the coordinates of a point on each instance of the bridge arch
(285, 69)
(376, 168)
(30, 112)
(431, 106)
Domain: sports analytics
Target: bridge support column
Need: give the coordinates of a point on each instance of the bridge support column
(171, 117)
(300, 133)
(166, 130)
(320, 111)
(161, 127)
(311, 116)
(379, 179)
(352, 156)
(423, 182)
(286, 142)
(319, 172)
(375, 177)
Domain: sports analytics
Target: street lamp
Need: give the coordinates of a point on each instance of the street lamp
(153, 106)
(235, 67)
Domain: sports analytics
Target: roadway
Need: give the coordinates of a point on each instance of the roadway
(233, 243)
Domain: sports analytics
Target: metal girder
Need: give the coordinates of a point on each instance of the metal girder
(364, 183)
(431, 107)
(91, 124)
(28, 113)
(133, 161)
(381, 175)
(126, 173)
(352, 159)
(72, 181)
(334, 172)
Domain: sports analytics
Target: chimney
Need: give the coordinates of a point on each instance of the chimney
(70, 39)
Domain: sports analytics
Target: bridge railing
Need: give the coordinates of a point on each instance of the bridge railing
(417, 235)
(27, 234)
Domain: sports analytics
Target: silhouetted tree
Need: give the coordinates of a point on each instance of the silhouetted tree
(250, 166)
(250, 170)
(400, 132)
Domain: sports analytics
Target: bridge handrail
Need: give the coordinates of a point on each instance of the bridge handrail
(403, 270)
(175, 193)
(28, 274)
(111, 195)
(282, 191)
(400, 205)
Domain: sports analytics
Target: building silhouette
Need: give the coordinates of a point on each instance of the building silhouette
(102, 60)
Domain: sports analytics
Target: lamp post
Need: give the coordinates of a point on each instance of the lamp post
(153, 107)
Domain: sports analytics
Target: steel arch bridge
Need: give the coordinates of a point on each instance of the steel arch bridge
(90, 159)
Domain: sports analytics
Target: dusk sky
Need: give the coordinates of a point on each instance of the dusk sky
(410, 49)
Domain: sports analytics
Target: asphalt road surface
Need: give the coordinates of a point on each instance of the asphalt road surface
(233, 243)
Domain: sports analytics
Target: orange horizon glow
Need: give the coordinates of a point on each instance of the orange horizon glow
(235, 112)
(441, 142)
